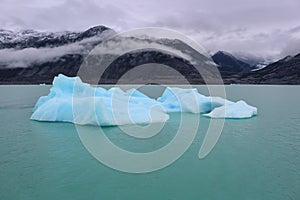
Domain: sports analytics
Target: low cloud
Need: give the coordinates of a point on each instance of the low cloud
(13, 58)
(258, 27)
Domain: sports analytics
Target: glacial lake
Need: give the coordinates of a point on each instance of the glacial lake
(257, 158)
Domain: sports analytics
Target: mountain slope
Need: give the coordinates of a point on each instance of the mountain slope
(230, 64)
(255, 61)
(31, 57)
(284, 71)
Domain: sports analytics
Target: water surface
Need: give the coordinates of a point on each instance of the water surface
(256, 158)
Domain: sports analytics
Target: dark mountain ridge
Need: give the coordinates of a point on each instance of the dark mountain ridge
(229, 64)
(73, 47)
(284, 71)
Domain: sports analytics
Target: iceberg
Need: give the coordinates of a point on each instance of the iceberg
(232, 110)
(188, 100)
(71, 100)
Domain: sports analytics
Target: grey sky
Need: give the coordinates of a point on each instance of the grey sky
(263, 27)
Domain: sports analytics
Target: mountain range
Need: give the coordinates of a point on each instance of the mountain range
(32, 57)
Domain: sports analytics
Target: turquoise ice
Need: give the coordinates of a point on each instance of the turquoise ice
(71, 100)
(190, 100)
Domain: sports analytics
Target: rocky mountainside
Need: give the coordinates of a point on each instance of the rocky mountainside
(31, 57)
(238, 62)
(227, 63)
(255, 61)
(284, 71)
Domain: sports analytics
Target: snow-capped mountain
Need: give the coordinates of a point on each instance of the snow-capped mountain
(35, 39)
(229, 64)
(29, 57)
(25, 49)
(254, 60)
(36, 57)
(238, 62)
(284, 71)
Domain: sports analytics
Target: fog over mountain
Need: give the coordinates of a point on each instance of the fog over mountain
(31, 57)
(26, 48)
(40, 39)
(268, 28)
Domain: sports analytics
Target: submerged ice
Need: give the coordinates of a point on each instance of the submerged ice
(71, 100)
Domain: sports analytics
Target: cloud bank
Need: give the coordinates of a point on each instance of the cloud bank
(268, 28)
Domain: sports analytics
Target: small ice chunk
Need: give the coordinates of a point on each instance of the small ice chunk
(232, 110)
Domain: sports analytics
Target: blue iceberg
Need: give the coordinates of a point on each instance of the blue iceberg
(188, 100)
(71, 100)
(233, 110)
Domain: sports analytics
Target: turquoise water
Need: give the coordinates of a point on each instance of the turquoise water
(256, 158)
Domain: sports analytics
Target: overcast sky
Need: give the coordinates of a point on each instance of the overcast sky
(263, 27)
